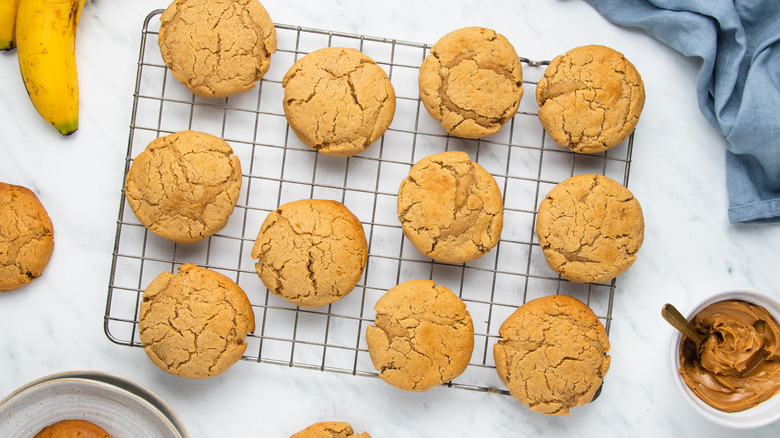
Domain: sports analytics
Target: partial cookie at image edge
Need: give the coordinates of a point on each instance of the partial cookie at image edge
(26, 237)
(72, 428)
(329, 429)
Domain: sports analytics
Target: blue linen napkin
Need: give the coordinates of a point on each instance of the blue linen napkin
(738, 84)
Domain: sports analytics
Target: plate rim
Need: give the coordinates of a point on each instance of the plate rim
(111, 382)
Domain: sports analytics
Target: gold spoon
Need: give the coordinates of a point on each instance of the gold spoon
(678, 321)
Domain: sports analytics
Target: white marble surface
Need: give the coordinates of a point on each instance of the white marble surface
(56, 323)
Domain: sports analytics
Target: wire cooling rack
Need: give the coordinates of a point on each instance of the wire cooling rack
(278, 168)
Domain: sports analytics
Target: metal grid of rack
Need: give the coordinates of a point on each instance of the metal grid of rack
(277, 168)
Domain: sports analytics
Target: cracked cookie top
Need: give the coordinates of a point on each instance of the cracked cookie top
(311, 252)
(338, 101)
(217, 48)
(552, 354)
(590, 99)
(329, 429)
(72, 428)
(26, 237)
(471, 82)
(450, 208)
(590, 228)
(422, 336)
(193, 323)
(184, 186)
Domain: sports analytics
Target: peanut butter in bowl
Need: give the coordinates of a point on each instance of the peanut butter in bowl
(738, 366)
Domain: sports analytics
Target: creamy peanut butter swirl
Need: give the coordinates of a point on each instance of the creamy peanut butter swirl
(738, 365)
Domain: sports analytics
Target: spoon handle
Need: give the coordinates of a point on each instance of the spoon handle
(678, 321)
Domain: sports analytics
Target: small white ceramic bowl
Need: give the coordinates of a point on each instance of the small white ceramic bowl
(758, 416)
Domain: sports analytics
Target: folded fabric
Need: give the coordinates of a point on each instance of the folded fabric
(738, 84)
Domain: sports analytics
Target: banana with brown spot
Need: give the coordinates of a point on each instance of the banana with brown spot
(8, 10)
(46, 47)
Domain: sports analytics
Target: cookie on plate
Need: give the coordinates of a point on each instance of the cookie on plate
(217, 48)
(552, 354)
(311, 252)
(74, 429)
(329, 429)
(590, 228)
(590, 99)
(422, 336)
(193, 323)
(338, 100)
(26, 237)
(450, 208)
(471, 82)
(184, 186)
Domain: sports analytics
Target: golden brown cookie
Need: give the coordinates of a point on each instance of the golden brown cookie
(193, 323)
(338, 100)
(26, 237)
(72, 429)
(590, 228)
(450, 208)
(553, 354)
(217, 48)
(471, 82)
(422, 336)
(590, 99)
(184, 186)
(329, 429)
(311, 252)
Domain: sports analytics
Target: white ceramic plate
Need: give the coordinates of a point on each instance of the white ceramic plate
(120, 406)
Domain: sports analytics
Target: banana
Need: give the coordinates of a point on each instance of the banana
(7, 23)
(46, 47)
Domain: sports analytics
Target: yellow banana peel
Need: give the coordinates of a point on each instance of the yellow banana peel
(46, 48)
(8, 23)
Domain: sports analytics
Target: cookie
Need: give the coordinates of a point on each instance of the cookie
(329, 429)
(193, 323)
(184, 186)
(590, 228)
(26, 237)
(217, 48)
(422, 336)
(590, 99)
(450, 208)
(552, 354)
(72, 429)
(338, 101)
(472, 82)
(311, 252)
